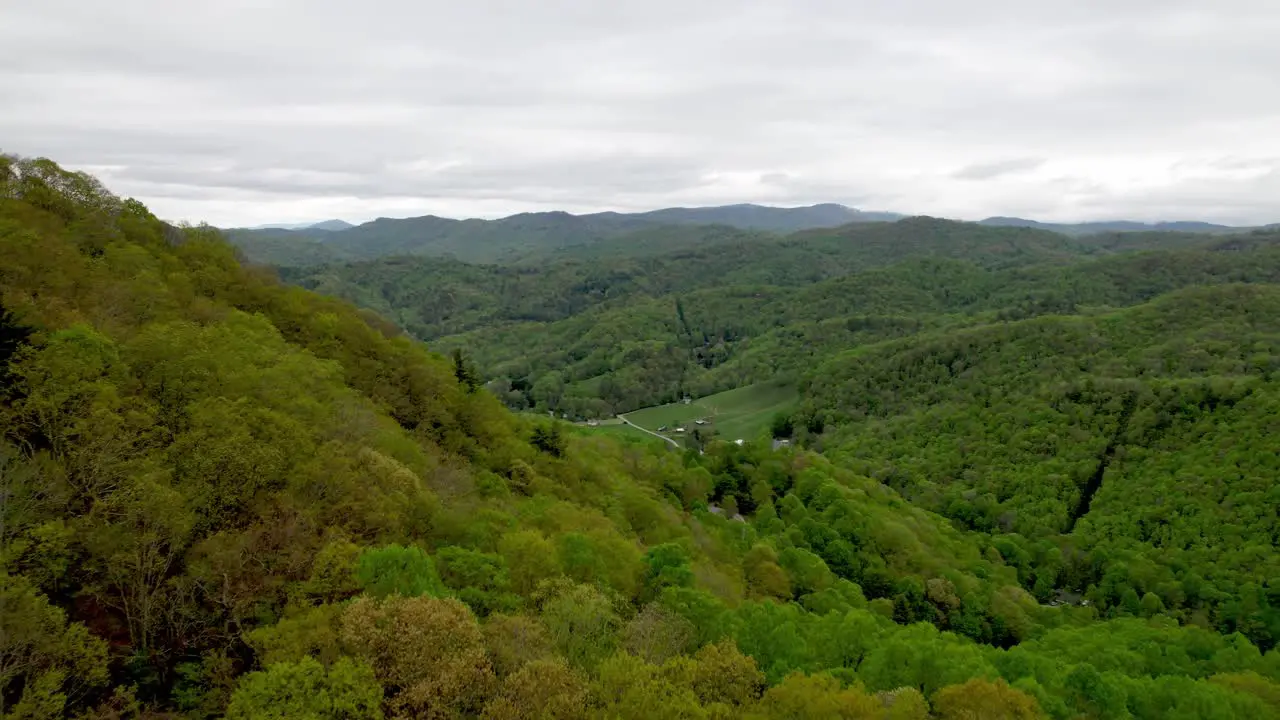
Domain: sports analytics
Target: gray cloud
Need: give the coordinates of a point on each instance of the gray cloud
(243, 112)
(986, 171)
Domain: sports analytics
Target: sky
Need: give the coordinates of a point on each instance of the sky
(243, 112)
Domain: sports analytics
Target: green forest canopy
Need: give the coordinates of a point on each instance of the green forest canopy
(228, 496)
(592, 337)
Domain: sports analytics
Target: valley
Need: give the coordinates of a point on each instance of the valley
(1026, 473)
(741, 414)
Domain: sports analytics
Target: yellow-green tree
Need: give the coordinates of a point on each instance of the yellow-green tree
(980, 699)
(541, 690)
(816, 697)
(724, 675)
(513, 641)
(346, 690)
(428, 651)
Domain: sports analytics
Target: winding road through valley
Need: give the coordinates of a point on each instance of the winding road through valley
(674, 444)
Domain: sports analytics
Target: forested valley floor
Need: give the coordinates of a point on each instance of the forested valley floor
(1029, 476)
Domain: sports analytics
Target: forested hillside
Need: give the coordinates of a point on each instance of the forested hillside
(594, 336)
(1117, 226)
(1141, 442)
(537, 235)
(423, 293)
(224, 496)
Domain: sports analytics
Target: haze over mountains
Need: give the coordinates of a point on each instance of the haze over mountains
(1087, 228)
(322, 225)
(510, 237)
(535, 235)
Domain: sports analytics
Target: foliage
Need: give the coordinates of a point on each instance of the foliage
(609, 332)
(979, 699)
(393, 569)
(345, 690)
(226, 496)
(428, 651)
(1038, 431)
(44, 661)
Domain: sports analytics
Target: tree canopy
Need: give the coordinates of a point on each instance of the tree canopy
(223, 495)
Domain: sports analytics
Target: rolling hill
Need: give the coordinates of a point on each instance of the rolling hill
(771, 219)
(610, 333)
(530, 234)
(432, 297)
(536, 237)
(1134, 440)
(224, 496)
(323, 225)
(1116, 226)
(219, 491)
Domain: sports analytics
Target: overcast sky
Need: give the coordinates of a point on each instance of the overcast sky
(243, 112)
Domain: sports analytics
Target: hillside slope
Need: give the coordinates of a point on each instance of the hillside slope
(1139, 441)
(432, 296)
(622, 339)
(540, 236)
(223, 496)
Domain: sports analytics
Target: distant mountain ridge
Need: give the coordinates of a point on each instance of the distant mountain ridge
(331, 225)
(1108, 226)
(534, 235)
(747, 216)
(525, 234)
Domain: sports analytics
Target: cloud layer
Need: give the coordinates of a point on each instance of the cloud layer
(241, 112)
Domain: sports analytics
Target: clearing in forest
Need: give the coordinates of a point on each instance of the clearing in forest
(741, 413)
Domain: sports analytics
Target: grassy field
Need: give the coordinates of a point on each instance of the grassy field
(615, 428)
(742, 413)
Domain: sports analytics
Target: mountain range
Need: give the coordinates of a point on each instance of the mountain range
(1090, 228)
(522, 235)
(536, 236)
(933, 470)
(322, 225)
